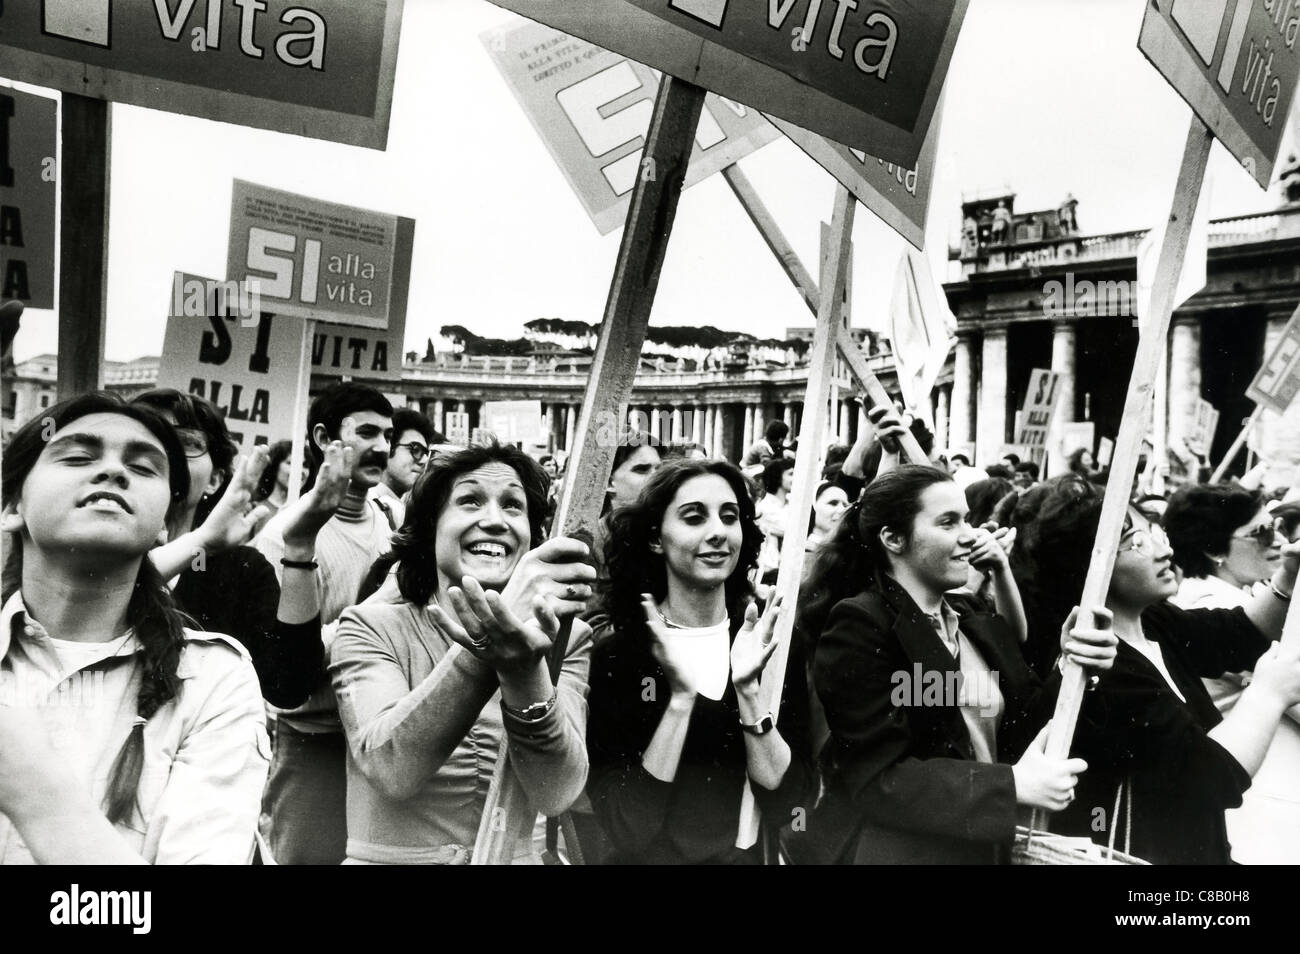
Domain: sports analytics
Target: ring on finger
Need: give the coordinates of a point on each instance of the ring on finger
(479, 643)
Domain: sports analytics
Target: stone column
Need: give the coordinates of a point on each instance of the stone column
(751, 414)
(992, 425)
(437, 417)
(1064, 349)
(707, 438)
(723, 432)
(553, 426)
(844, 436)
(1184, 375)
(654, 423)
(697, 424)
(571, 412)
(961, 425)
(675, 425)
(788, 415)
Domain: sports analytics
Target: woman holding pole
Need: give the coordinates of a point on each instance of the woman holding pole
(431, 686)
(926, 694)
(1164, 763)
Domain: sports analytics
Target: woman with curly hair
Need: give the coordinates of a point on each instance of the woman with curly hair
(678, 729)
(431, 686)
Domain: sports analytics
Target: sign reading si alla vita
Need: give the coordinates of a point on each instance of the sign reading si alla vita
(1278, 380)
(243, 362)
(592, 109)
(866, 74)
(311, 259)
(318, 68)
(1236, 64)
(1036, 415)
(28, 183)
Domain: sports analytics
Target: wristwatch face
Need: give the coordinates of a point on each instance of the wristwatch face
(762, 727)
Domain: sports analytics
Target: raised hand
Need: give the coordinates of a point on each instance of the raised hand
(754, 645)
(557, 572)
(305, 517)
(1043, 782)
(231, 521)
(989, 553)
(889, 426)
(484, 624)
(678, 684)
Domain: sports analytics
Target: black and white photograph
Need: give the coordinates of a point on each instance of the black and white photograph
(651, 433)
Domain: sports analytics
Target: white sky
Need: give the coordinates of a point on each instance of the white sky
(1044, 97)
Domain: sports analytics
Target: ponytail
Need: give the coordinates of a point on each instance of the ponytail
(159, 627)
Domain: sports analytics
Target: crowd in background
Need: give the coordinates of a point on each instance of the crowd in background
(210, 658)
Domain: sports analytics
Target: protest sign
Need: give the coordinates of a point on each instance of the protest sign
(514, 422)
(1036, 414)
(591, 108)
(1236, 64)
(899, 195)
(1205, 422)
(244, 364)
(870, 81)
(313, 259)
(1278, 379)
(320, 68)
(28, 181)
(457, 428)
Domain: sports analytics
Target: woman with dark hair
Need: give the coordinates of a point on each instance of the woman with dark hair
(1154, 741)
(926, 694)
(124, 735)
(829, 504)
(678, 727)
(778, 478)
(207, 561)
(984, 496)
(272, 490)
(1081, 462)
(1225, 543)
(431, 686)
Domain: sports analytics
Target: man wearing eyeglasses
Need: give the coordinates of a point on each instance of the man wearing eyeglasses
(413, 435)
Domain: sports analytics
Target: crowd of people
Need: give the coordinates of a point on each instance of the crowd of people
(207, 658)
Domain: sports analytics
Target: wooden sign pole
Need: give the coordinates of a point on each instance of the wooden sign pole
(298, 454)
(83, 244)
(507, 816)
(1151, 346)
(816, 412)
(803, 282)
(1235, 449)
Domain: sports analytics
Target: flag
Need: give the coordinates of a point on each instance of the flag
(922, 330)
(1193, 276)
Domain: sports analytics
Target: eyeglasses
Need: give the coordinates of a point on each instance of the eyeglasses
(193, 443)
(417, 451)
(1148, 541)
(1263, 535)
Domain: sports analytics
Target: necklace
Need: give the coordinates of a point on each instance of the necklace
(671, 625)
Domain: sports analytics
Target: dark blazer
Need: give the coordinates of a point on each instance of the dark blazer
(1135, 728)
(905, 777)
(693, 819)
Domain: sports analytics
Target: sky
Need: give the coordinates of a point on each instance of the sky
(1044, 97)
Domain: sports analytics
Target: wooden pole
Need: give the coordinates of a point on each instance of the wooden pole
(299, 431)
(507, 816)
(1128, 442)
(816, 411)
(803, 282)
(1235, 449)
(83, 244)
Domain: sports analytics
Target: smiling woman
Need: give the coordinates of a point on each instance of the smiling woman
(165, 762)
(676, 728)
(912, 777)
(430, 686)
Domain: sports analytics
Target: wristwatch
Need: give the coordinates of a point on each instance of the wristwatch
(762, 727)
(534, 712)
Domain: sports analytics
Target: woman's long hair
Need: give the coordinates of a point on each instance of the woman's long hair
(634, 569)
(1050, 559)
(413, 543)
(853, 558)
(151, 612)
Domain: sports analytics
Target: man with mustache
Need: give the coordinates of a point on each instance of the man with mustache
(306, 794)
